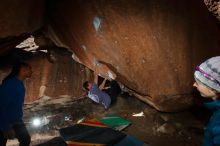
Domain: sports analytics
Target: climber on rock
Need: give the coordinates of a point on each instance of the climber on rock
(99, 94)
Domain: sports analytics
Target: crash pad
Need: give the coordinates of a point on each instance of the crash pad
(90, 133)
(130, 141)
(115, 122)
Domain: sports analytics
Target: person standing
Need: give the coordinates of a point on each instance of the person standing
(12, 93)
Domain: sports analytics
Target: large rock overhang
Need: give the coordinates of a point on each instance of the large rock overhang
(23, 16)
(153, 46)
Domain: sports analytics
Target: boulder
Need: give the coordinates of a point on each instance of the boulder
(152, 46)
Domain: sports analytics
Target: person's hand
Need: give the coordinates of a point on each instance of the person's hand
(10, 134)
(104, 71)
(96, 69)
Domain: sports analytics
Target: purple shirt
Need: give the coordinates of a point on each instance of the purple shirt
(99, 96)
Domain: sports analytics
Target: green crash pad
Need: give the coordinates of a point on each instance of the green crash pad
(115, 122)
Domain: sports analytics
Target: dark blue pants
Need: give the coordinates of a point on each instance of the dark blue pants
(114, 91)
(21, 134)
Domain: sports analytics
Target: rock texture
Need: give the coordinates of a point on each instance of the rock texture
(23, 16)
(152, 46)
(214, 7)
(62, 78)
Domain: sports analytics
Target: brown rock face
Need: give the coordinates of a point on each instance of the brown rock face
(62, 78)
(21, 16)
(151, 45)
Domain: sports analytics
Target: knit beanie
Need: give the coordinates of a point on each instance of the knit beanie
(208, 73)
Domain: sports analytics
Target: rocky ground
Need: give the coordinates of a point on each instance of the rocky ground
(154, 128)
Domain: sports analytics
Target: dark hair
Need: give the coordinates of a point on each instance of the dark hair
(218, 95)
(15, 70)
(85, 85)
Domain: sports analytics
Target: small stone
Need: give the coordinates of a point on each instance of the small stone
(166, 129)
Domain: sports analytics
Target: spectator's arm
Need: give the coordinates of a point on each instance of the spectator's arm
(95, 77)
(103, 84)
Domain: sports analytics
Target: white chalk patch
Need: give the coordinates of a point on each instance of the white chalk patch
(84, 47)
(81, 120)
(96, 62)
(45, 51)
(41, 91)
(141, 114)
(28, 44)
(75, 57)
(110, 75)
(97, 23)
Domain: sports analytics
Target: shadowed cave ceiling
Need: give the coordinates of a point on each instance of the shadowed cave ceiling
(151, 45)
